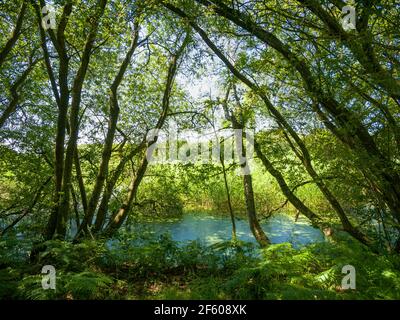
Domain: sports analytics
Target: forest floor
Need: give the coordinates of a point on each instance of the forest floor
(163, 269)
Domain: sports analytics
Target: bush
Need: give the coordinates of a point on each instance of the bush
(146, 266)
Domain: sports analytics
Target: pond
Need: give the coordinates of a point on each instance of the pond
(211, 229)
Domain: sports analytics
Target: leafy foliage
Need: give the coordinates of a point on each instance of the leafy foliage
(161, 268)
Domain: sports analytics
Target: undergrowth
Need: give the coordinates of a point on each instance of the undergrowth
(159, 268)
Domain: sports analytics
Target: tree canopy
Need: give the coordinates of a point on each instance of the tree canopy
(87, 87)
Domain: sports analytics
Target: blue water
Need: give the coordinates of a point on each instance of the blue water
(211, 229)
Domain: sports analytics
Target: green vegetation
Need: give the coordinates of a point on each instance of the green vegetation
(161, 269)
(116, 113)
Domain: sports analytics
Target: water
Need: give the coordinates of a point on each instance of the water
(211, 229)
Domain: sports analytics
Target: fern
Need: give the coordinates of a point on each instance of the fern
(87, 285)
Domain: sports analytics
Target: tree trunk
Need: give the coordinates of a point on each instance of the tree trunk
(64, 207)
(349, 128)
(254, 224)
(10, 109)
(296, 202)
(15, 34)
(228, 197)
(108, 143)
(81, 183)
(26, 211)
(103, 207)
(120, 216)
